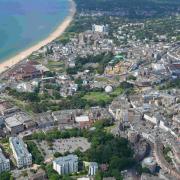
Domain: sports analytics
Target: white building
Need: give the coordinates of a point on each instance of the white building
(4, 163)
(66, 164)
(100, 28)
(82, 118)
(149, 163)
(20, 152)
(93, 167)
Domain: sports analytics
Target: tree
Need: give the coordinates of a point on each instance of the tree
(57, 154)
(51, 173)
(116, 173)
(98, 176)
(5, 175)
(36, 154)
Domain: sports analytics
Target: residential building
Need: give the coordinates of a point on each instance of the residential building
(66, 164)
(20, 152)
(93, 167)
(4, 163)
(100, 28)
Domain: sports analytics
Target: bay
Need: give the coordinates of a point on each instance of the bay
(23, 23)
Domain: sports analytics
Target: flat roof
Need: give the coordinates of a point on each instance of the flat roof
(2, 157)
(12, 122)
(19, 146)
(64, 159)
(82, 118)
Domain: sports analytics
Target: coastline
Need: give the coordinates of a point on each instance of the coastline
(54, 35)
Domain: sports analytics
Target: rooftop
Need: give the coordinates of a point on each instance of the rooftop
(19, 146)
(12, 122)
(2, 157)
(82, 119)
(64, 159)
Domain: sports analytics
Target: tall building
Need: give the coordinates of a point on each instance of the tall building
(4, 163)
(93, 167)
(100, 28)
(20, 152)
(66, 164)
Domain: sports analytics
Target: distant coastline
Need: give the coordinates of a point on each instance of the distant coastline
(54, 35)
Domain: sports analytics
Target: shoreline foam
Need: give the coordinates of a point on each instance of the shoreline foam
(54, 35)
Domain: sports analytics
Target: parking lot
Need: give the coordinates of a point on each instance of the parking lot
(64, 145)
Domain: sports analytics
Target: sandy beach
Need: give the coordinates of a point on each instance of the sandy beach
(59, 31)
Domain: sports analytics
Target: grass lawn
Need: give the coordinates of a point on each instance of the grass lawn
(6, 146)
(97, 96)
(117, 91)
(56, 66)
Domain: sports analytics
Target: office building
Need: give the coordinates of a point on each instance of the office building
(20, 152)
(4, 163)
(66, 164)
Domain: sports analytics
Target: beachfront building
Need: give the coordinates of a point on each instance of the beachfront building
(66, 164)
(4, 163)
(22, 156)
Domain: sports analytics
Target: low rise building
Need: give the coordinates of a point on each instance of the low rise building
(44, 120)
(66, 164)
(83, 121)
(149, 163)
(13, 125)
(22, 156)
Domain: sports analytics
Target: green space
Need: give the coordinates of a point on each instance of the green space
(117, 91)
(37, 157)
(65, 37)
(56, 66)
(135, 9)
(84, 98)
(170, 85)
(54, 134)
(102, 60)
(105, 149)
(97, 97)
(53, 175)
(6, 176)
(166, 151)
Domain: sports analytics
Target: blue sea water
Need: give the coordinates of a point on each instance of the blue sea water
(25, 22)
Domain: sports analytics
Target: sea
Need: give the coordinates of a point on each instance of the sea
(23, 23)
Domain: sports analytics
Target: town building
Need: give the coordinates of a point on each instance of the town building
(20, 152)
(83, 121)
(4, 163)
(149, 163)
(66, 164)
(100, 28)
(13, 125)
(1, 120)
(44, 120)
(93, 167)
